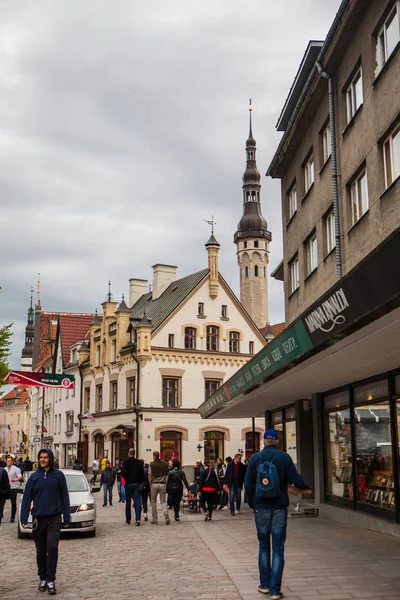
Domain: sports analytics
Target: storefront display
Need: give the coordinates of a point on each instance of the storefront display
(170, 445)
(283, 421)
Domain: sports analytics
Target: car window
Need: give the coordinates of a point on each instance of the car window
(76, 483)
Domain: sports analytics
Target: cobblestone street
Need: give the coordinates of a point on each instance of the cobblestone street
(205, 561)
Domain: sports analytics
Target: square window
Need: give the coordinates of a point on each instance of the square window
(354, 95)
(391, 156)
(359, 197)
(330, 232)
(388, 37)
(308, 173)
(211, 386)
(292, 201)
(294, 274)
(311, 254)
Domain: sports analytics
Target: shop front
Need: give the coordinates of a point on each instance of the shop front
(330, 384)
(70, 455)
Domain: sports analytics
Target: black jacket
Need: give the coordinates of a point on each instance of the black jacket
(5, 490)
(132, 470)
(107, 476)
(176, 480)
(209, 479)
(228, 480)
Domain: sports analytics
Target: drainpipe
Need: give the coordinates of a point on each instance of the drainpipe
(137, 402)
(335, 194)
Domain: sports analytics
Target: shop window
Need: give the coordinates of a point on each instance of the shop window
(211, 386)
(190, 338)
(114, 395)
(339, 453)
(99, 446)
(170, 391)
(234, 337)
(131, 392)
(291, 440)
(250, 447)
(170, 445)
(214, 445)
(374, 461)
(212, 338)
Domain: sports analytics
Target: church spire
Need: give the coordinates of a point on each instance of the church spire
(27, 352)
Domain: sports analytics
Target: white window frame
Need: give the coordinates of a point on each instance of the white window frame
(308, 172)
(330, 231)
(383, 51)
(326, 143)
(294, 274)
(311, 253)
(391, 156)
(292, 201)
(354, 99)
(359, 203)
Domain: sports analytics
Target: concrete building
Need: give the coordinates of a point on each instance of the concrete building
(330, 383)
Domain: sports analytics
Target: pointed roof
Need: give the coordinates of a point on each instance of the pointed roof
(158, 310)
(212, 241)
(96, 319)
(123, 308)
(145, 322)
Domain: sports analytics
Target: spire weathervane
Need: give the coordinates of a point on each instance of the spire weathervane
(31, 296)
(212, 223)
(38, 293)
(250, 111)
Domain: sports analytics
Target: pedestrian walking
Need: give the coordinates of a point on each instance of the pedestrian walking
(145, 489)
(198, 468)
(95, 470)
(208, 486)
(107, 480)
(46, 497)
(132, 472)
(234, 479)
(104, 463)
(20, 464)
(176, 481)
(28, 465)
(14, 477)
(268, 474)
(120, 485)
(158, 472)
(5, 490)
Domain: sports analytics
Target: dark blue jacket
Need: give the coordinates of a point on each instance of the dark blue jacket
(48, 492)
(287, 475)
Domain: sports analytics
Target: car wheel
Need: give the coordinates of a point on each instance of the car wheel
(91, 533)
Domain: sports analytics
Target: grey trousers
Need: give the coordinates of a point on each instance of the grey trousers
(158, 489)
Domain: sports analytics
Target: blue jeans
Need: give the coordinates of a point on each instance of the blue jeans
(132, 492)
(121, 491)
(235, 489)
(107, 489)
(271, 523)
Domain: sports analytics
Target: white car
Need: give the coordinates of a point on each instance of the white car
(83, 506)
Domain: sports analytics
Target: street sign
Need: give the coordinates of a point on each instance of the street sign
(47, 380)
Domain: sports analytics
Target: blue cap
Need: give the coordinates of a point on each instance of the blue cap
(271, 434)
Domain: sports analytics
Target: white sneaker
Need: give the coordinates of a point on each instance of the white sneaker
(237, 512)
(225, 508)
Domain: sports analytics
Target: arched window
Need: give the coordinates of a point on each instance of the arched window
(99, 446)
(171, 445)
(256, 271)
(234, 337)
(246, 271)
(214, 445)
(212, 338)
(190, 338)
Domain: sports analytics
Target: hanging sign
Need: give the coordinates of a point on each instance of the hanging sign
(47, 380)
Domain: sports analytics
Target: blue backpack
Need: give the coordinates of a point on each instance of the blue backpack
(268, 483)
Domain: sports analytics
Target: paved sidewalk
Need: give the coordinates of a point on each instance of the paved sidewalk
(194, 560)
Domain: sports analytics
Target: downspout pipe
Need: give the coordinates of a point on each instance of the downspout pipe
(335, 193)
(137, 403)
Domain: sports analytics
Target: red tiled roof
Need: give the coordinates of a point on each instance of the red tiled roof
(74, 328)
(275, 329)
(19, 391)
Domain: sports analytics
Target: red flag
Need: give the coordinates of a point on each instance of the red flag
(44, 430)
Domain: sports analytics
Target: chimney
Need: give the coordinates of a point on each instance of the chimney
(137, 287)
(163, 275)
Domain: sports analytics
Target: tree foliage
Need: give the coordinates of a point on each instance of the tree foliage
(5, 344)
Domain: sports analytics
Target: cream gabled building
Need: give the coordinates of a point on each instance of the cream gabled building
(150, 365)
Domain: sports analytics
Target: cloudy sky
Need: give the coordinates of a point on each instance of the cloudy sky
(123, 127)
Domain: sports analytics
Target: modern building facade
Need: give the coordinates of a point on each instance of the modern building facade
(330, 383)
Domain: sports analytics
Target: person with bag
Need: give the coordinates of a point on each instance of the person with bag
(208, 487)
(145, 490)
(268, 474)
(176, 481)
(5, 490)
(107, 480)
(234, 479)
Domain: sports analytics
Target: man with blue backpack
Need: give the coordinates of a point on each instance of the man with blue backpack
(268, 475)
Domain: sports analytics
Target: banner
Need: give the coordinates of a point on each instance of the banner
(47, 380)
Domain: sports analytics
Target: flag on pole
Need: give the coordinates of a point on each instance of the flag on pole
(89, 415)
(44, 430)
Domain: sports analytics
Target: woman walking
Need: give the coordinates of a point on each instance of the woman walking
(176, 481)
(208, 486)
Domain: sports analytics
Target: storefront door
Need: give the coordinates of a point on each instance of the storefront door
(214, 445)
(170, 445)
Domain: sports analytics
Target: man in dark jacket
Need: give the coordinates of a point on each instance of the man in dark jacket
(28, 464)
(107, 480)
(47, 493)
(271, 512)
(234, 478)
(5, 490)
(133, 473)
